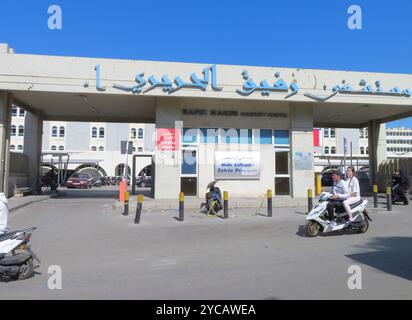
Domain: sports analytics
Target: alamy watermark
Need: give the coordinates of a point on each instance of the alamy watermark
(55, 21)
(55, 281)
(355, 279)
(355, 19)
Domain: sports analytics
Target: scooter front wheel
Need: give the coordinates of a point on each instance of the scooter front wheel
(312, 229)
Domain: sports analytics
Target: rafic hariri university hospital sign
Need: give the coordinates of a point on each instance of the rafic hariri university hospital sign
(250, 86)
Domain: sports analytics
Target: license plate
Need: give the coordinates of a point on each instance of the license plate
(76, 184)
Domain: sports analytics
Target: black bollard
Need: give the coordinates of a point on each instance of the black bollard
(389, 198)
(225, 205)
(138, 209)
(126, 204)
(310, 200)
(375, 196)
(270, 203)
(181, 207)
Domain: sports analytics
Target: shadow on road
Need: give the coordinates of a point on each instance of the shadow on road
(391, 255)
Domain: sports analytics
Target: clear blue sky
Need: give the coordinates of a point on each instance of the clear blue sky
(299, 33)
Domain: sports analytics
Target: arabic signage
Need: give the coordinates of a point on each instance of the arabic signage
(237, 165)
(250, 86)
(167, 139)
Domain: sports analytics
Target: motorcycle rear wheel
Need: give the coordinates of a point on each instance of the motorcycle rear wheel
(312, 229)
(364, 227)
(26, 270)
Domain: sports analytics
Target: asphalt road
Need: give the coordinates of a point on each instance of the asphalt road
(103, 255)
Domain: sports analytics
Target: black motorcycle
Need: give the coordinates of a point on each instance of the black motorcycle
(213, 198)
(400, 194)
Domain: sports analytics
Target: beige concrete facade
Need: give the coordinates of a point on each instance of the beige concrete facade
(69, 89)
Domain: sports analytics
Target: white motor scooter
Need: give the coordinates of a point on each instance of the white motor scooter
(16, 256)
(317, 219)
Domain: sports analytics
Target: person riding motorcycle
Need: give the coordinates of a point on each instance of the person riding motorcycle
(339, 192)
(402, 181)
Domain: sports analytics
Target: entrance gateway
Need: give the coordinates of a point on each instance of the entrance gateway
(251, 127)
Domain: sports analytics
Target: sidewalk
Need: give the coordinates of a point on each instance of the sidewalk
(16, 203)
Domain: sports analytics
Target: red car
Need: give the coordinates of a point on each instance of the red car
(79, 180)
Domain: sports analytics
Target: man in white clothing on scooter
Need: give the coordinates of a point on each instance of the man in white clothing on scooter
(339, 192)
(4, 214)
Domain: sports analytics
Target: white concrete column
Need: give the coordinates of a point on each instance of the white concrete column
(5, 124)
(377, 152)
(167, 163)
(301, 118)
(33, 134)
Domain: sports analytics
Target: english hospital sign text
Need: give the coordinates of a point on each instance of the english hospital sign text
(209, 78)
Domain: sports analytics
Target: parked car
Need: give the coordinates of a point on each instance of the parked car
(144, 183)
(79, 180)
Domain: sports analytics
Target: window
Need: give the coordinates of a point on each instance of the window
(282, 137)
(20, 148)
(140, 134)
(189, 135)
(333, 150)
(230, 136)
(62, 132)
(61, 148)
(13, 131)
(189, 162)
(54, 131)
(326, 150)
(326, 133)
(94, 132)
(361, 134)
(22, 113)
(333, 133)
(133, 133)
(366, 133)
(21, 131)
(140, 149)
(134, 149)
(53, 148)
(12, 147)
(209, 135)
(282, 173)
(188, 179)
(14, 111)
(362, 150)
(265, 136)
(367, 150)
(101, 132)
(94, 148)
(101, 148)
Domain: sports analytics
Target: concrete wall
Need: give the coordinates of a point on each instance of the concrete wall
(19, 174)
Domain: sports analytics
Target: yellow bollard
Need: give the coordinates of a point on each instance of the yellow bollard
(318, 184)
